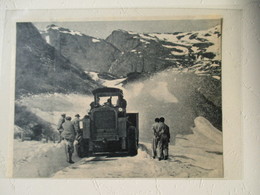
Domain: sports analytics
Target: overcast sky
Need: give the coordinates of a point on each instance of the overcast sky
(102, 29)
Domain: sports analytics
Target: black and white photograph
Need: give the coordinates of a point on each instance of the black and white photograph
(118, 99)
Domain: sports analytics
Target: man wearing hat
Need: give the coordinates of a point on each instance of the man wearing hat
(156, 137)
(69, 135)
(59, 126)
(164, 134)
(78, 131)
(75, 122)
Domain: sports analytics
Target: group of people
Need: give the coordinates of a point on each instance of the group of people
(161, 139)
(69, 130)
(121, 102)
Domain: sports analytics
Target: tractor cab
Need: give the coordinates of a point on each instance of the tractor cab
(110, 97)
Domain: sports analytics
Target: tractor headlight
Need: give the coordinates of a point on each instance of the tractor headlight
(120, 109)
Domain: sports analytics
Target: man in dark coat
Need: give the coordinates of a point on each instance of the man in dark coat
(155, 128)
(76, 125)
(164, 134)
(59, 126)
(75, 122)
(69, 135)
(95, 104)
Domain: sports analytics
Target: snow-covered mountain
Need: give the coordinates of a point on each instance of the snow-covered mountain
(90, 53)
(125, 52)
(199, 51)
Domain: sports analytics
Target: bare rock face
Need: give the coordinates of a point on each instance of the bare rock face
(41, 68)
(91, 54)
(143, 55)
(123, 40)
(124, 52)
(147, 53)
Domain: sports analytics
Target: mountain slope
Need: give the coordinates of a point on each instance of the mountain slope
(199, 51)
(41, 68)
(91, 54)
(124, 52)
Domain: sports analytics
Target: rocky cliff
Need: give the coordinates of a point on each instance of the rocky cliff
(90, 53)
(41, 68)
(125, 52)
(198, 51)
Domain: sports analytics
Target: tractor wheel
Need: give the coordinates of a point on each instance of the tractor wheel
(132, 141)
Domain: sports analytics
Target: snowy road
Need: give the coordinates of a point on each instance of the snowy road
(112, 166)
(182, 163)
(190, 156)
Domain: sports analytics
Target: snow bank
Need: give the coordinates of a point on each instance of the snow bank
(50, 106)
(204, 127)
(36, 159)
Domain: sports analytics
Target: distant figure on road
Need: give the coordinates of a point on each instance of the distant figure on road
(69, 135)
(155, 129)
(59, 126)
(164, 134)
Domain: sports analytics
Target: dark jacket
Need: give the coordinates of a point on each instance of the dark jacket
(164, 131)
(155, 129)
(76, 124)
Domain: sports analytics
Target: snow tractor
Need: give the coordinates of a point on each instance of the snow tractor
(108, 128)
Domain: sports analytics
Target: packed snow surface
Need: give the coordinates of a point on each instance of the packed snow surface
(38, 159)
(196, 155)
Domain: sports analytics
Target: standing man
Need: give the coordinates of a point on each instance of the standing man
(164, 134)
(155, 128)
(75, 122)
(60, 128)
(69, 135)
(76, 125)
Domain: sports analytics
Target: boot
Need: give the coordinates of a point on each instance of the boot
(70, 158)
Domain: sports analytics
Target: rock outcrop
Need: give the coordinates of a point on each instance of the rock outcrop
(41, 68)
(90, 53)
